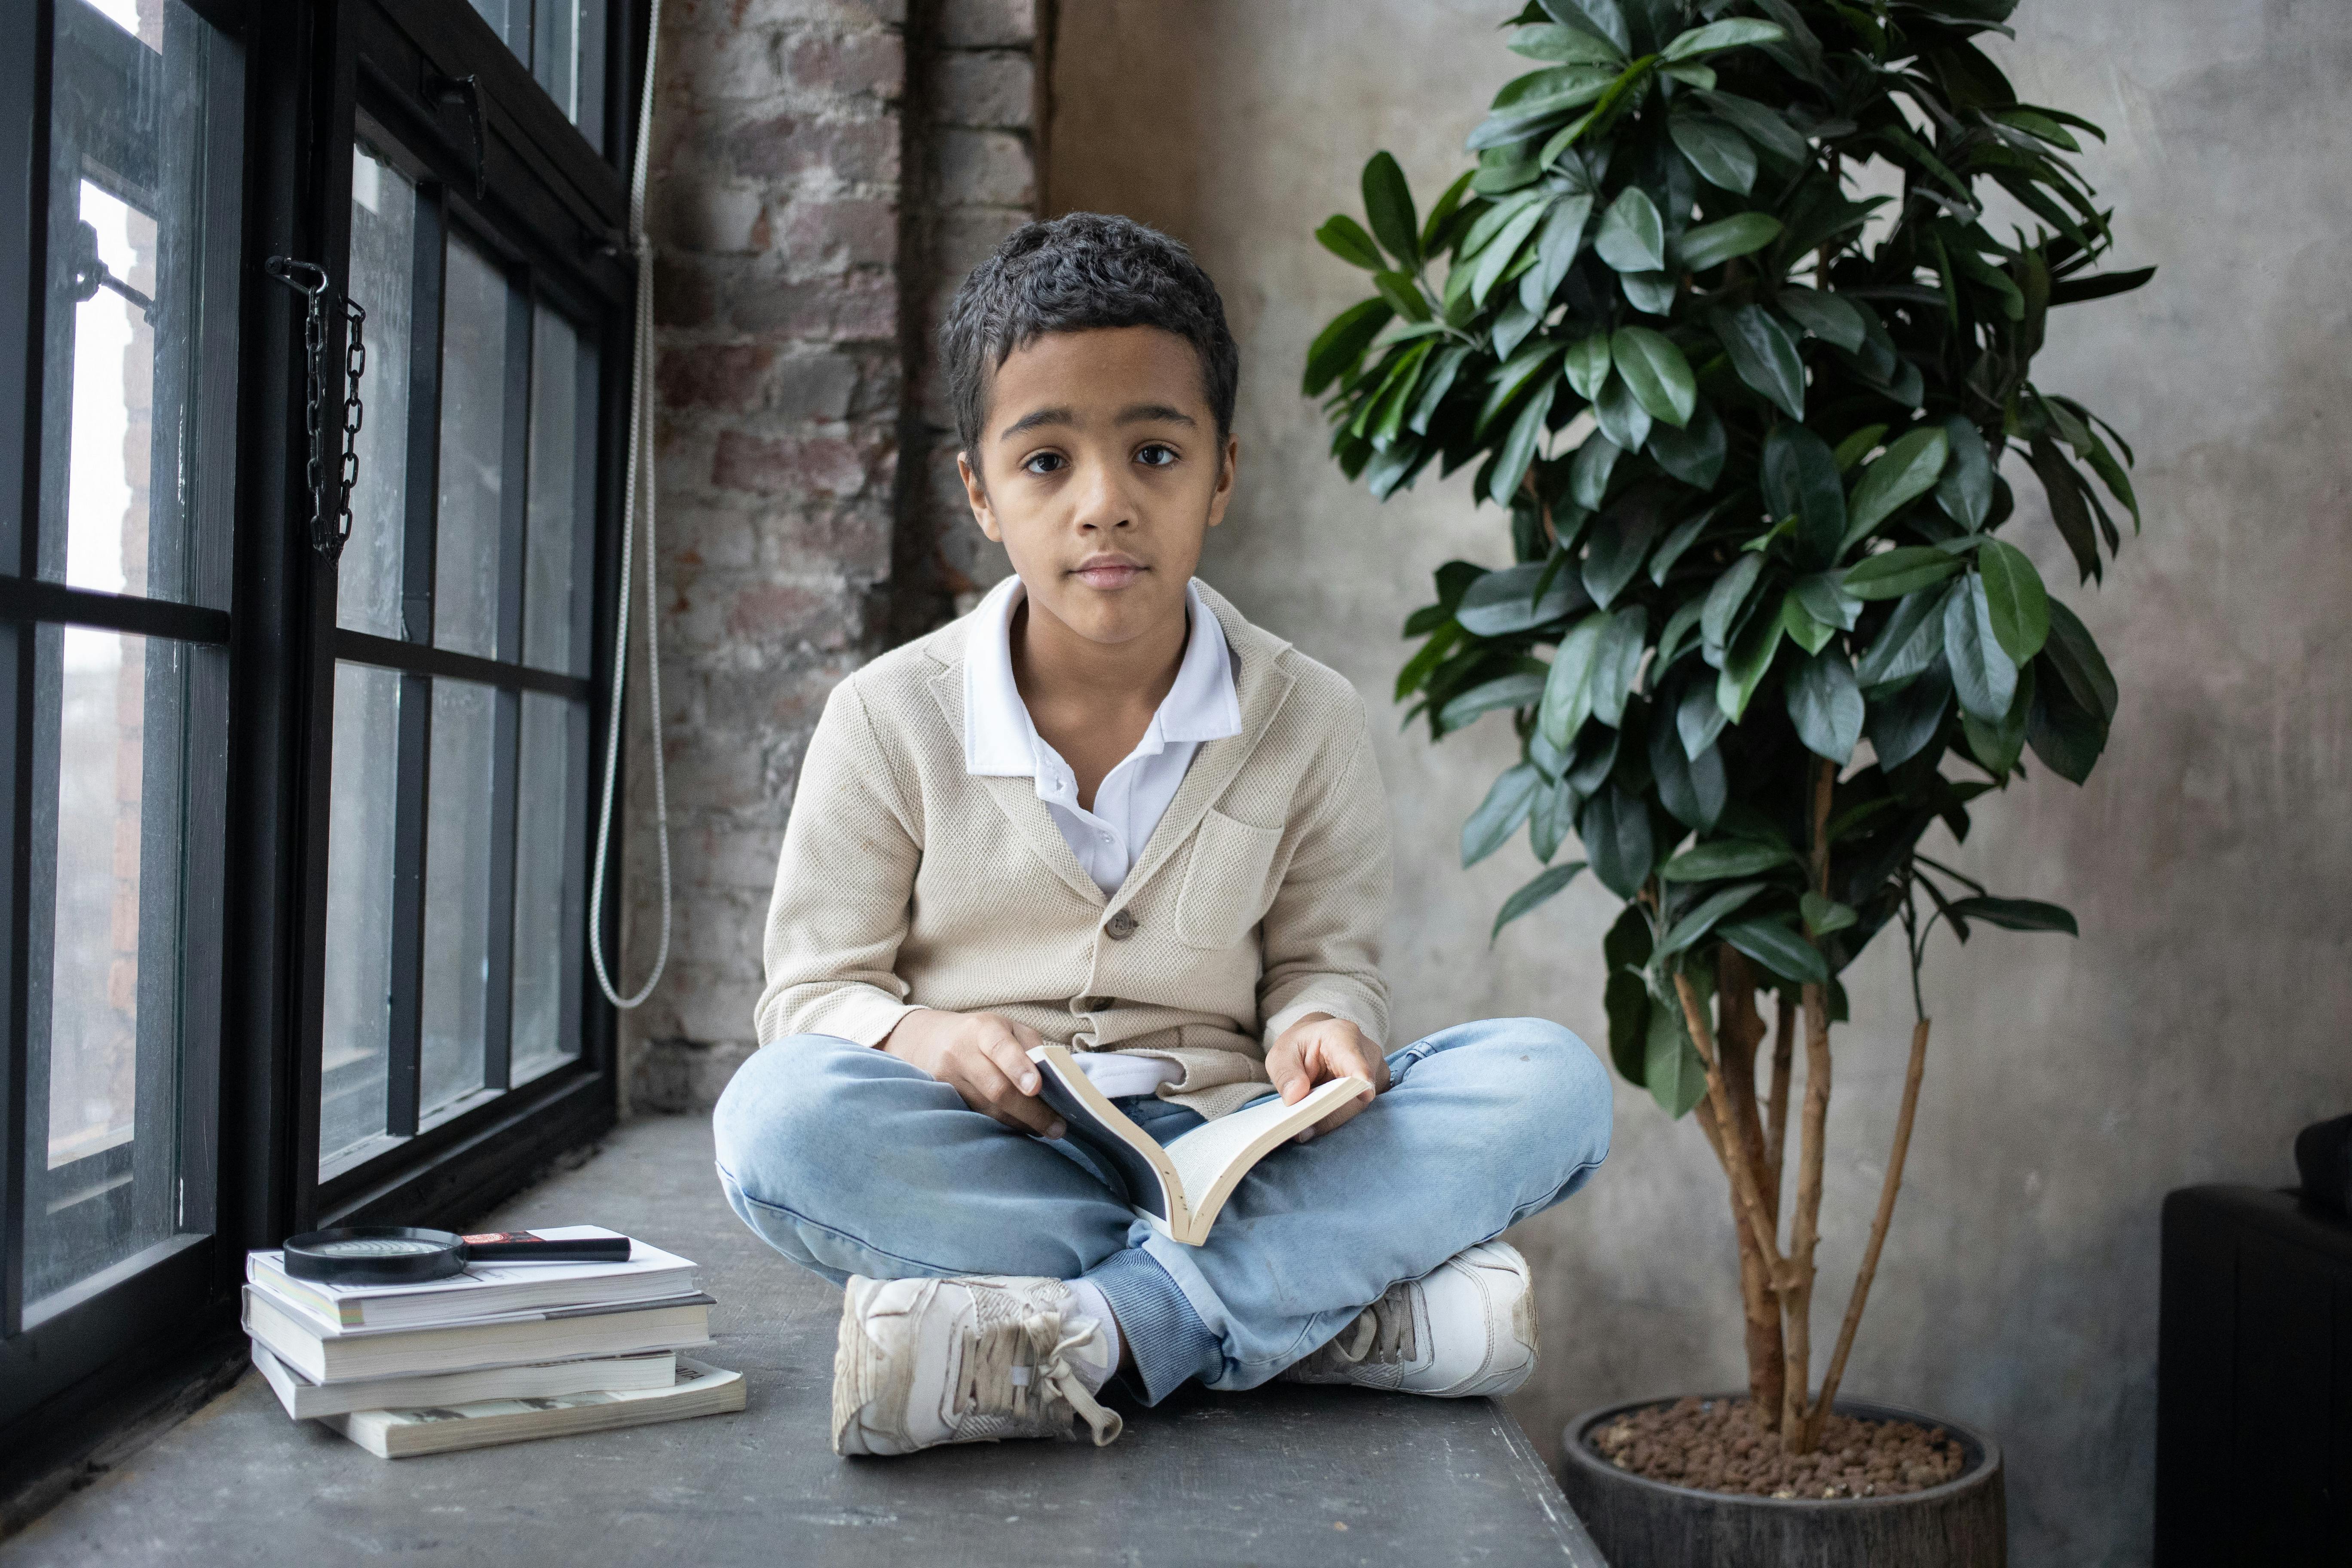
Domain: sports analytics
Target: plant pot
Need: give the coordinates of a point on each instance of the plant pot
(1642, 1523)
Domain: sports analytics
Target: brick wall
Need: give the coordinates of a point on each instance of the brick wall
(823, 171)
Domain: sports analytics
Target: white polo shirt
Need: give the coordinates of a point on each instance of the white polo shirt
(1000, 740)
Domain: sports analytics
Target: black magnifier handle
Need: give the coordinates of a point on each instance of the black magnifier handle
(501, 1246)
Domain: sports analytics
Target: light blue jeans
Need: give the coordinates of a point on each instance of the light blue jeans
(848, 1161)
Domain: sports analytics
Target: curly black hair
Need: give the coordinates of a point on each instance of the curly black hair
(1069, 274)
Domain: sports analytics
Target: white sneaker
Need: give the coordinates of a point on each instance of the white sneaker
(926, 1361)
(1466, 1328)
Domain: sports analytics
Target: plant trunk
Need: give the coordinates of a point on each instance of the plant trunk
(1776, 1135)
(1739, 1031)
(1797, 1300)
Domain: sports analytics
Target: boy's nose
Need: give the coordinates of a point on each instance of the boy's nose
(1102, 502)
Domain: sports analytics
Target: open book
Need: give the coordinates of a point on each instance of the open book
(1179, 1186)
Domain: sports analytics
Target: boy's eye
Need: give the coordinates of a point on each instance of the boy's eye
(1156, 456)
(1045, 463)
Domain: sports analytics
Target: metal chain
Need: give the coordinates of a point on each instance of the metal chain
(328, 533)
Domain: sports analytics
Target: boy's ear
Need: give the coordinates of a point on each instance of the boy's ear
(1224, 495)
(975, 493)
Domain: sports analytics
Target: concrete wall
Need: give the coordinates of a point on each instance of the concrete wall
(2198, 1022)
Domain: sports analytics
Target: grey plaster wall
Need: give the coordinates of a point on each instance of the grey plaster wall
(2198, 1020)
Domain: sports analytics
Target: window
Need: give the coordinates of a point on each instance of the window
(293, 849)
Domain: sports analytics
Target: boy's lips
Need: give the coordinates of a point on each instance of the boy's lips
(1109, 572)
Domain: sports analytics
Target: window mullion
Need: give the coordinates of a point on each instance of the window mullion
(514, 499)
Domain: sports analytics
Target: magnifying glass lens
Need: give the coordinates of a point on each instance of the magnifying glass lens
(376, 1246)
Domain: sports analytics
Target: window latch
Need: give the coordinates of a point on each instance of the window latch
(467, 93)
(330, 520)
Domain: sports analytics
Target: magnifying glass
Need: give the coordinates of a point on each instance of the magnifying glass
(406, 1255)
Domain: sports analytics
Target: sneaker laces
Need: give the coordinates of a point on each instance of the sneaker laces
(1382, 1333)
(1009, 1358)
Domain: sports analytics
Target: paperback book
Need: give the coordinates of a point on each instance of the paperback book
(1180, 1186)
(325, 1353)
(307, 1401)
(696, 1390)
(485, 1290)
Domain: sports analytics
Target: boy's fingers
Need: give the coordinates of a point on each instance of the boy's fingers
(1005, 1051)
(1024, 1114)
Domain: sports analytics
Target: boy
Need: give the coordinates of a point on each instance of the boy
(1106, 811)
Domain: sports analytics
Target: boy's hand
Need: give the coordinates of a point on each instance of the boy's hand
(1316, 1049)
(984, 1058)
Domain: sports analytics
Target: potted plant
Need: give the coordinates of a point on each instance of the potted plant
(1750, 427)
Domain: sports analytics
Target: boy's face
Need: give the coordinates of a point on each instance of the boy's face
(1099, 470)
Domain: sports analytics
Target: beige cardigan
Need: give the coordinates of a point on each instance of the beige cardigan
(1262, 896)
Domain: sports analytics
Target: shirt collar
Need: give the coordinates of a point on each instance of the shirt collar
(1000, 738)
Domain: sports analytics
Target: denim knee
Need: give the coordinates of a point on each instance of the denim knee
(1556, 1091)
(778, 1117)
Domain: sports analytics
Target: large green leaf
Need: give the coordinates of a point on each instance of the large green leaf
(1500, 252)
(1344, 238)
(2016, 914)
(1826, 316)
(1567, 690)
(1520, 449)
(1693, 788)
(1730, 33)
(2019, 603)
(1763, 126)
(1764, 354)
(1899, 573)
(1726, 599)
(1778, 949)
(1514, 690)
(1697, 720)
(1619, 541)
(1982, 674)
(2077, 657)
(1631, 237)
(1721, 155)
(1587, 366)
(1672, 1071)
(1589, 472)
(1748, 661)
(1546, 884)
(1565, 46)
(1615, 827)
(1343, 342)
(1626, 952)
(1694, 454)
(1657, 373)
(1506, 805)
(1601, 18)
(1721, 858)
(1825, 706)
(1621, 416)
(1710, 244)
(1616, 662)
(1905, 720)
(1965, 493)
(1906, 470)
(1496, 218)
(1694, 923)
(1388, 201)
(1909, 641)
(1825, 601)
(1502, 602)
(2067, 736)
(1652, 293)
(1801, 480)
(1557, 243)
(1997, 747)
(1553, 818)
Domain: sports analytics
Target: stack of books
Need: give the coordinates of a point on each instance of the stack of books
(500, 1353)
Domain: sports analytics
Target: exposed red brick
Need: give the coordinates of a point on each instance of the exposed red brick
(842, 233)
(873, 63)
(822, 464)
(713, 376)
(783, 144)
(860, 308)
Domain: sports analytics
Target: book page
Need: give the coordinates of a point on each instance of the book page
(1096, 1125)
(1212, 1158)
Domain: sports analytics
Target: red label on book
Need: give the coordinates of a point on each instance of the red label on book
(488, 1236)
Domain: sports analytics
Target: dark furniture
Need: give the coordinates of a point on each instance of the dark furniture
(2253, 1446)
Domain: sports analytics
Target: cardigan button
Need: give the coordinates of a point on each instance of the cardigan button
(1121, 926)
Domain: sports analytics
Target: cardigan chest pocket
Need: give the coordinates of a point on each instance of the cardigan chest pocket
(1224, 889)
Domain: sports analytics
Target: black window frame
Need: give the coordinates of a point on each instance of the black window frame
(556, 207)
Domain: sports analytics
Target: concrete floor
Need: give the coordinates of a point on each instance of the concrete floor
(1289, 1475)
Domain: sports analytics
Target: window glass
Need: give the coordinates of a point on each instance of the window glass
(457, 847)
(110, 716)
(382, 277)
(473, 452)
(563, 42)
(550, 882)
(562, 490)
(133, 244)
(356, 1041)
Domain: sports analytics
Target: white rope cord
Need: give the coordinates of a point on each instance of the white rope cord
(640, 475)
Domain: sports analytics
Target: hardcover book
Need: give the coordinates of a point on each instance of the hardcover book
(698, 1390)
